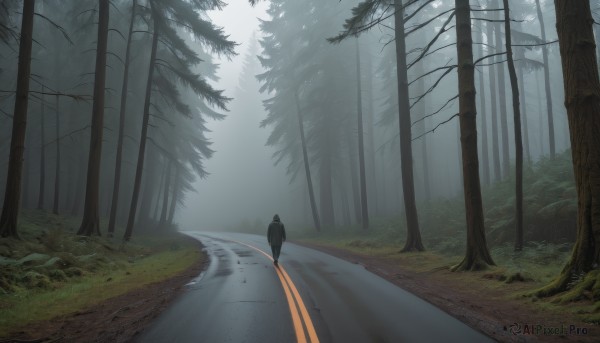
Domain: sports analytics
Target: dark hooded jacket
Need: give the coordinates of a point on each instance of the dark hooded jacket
(276, 232)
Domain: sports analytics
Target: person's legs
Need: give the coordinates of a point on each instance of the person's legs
(277, 252)
(274, 251)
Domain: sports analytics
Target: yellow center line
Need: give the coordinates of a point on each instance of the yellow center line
(294, 311)
(286, 281)
(307, 321)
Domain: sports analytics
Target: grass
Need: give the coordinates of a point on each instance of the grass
(52, 272)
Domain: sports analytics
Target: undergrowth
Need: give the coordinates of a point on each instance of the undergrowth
(51, 271)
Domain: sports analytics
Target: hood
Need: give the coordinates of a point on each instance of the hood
(276, 218)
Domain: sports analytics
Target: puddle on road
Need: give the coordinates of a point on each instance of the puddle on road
(243, 253)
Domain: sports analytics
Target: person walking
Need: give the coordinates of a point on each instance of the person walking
(276, 237)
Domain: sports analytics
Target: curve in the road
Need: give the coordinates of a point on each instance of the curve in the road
(290, 289)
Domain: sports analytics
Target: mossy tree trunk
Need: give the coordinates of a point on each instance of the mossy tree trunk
(12, 192)
(90, 224)
(582, 101)
(477, 255)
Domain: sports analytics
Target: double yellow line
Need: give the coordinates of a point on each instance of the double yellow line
(297, 309)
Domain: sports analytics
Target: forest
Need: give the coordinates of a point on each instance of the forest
(466, 125)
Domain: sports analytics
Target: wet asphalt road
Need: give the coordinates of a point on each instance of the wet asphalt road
(241, 298)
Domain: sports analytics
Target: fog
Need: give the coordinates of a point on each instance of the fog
(221, 128)
(243, 184)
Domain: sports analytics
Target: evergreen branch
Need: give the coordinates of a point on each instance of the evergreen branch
(162, 118)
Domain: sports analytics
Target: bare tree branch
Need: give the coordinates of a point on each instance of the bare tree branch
(435, 128)
(436, 112)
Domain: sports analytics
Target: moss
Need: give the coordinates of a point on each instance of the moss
(73, 272)
(587, 287)
(35, 280)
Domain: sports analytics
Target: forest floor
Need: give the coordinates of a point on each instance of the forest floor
(488, 301)
(116, 319)
(56, 286)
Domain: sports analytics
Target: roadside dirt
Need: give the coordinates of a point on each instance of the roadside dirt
(478, 304)
(117, 319)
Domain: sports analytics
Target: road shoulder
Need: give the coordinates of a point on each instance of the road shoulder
(484, 308)
(117, 319)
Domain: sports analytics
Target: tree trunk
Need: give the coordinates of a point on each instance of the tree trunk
(142, 150)
(57, 172)
(483, 115)
(12, 192)
(353, 178)
(159, 191)
(90, 224)
(540, 114)
(371, 175)
(123, 108)
(174, 196)
(163, 213)
(27, 173)
(597, 31)
(524, 114)
(313, 204)
(413, 239)
(41, 195)
(326, 191)
(477, 255)
(502, 95)
(582, 100)
(361, 148)
(547, 81)
(494, 117)
(78, 189)
(520, 53)
(518, 141)
(421, 127)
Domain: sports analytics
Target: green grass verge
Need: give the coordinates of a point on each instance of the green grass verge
(52, 272)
